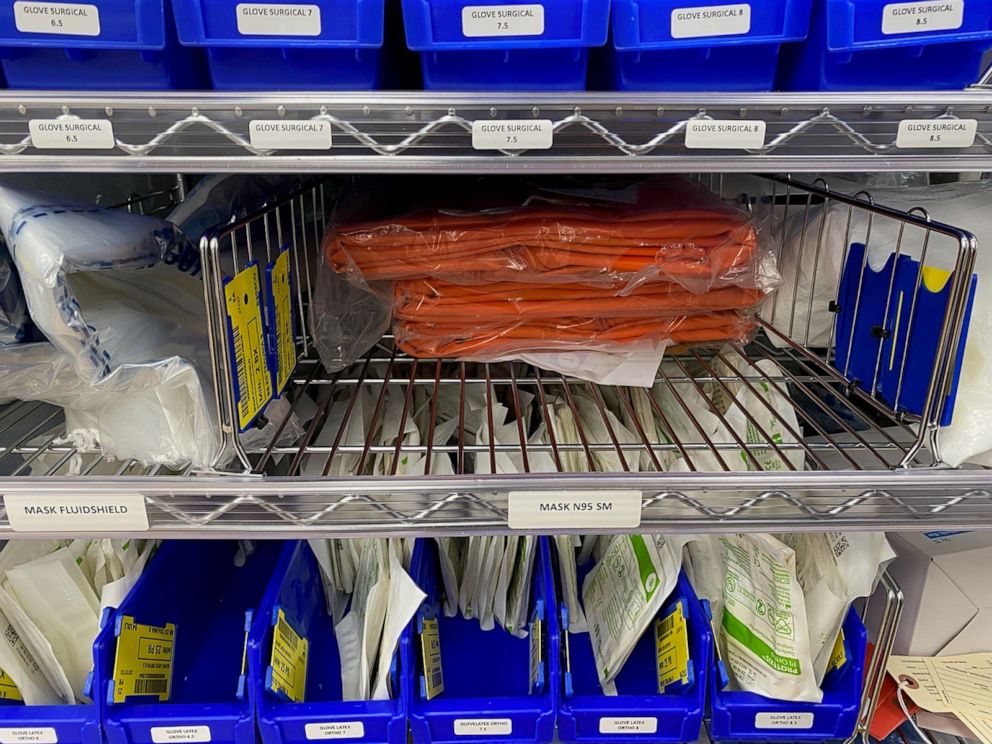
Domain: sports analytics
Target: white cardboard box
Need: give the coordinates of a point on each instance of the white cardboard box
(946, 579)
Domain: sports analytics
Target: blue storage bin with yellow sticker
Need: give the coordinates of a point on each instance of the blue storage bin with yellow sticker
(295, 667)
(465, 684)
(169, 664)
(46, 724)
(745, 716)
(661, 689)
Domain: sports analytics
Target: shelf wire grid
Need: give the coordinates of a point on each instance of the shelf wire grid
(847, 460)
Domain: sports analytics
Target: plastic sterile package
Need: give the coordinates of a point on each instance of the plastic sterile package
(13, 308)
(546, 271)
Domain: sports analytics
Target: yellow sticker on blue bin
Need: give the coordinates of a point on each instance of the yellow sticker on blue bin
(671, 637)
(430, 652)
(282, 341)
(252, 381)
(536, 661)
(8, 690)
(288, 664)
(143, 659)
(838, 657)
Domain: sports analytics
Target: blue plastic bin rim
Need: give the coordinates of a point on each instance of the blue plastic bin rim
(627, 37)
(149, 32)
(840, 30)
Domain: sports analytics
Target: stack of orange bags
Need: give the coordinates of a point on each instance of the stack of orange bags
(490, 285)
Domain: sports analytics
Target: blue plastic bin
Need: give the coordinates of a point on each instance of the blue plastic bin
(198, 586)
(328, 45)
(735, 715)
(860, 45)
(116, 45)
(486, 673)
(711, 46)
(296, 586)
(677, 716)
(469, 45)
(67, 724)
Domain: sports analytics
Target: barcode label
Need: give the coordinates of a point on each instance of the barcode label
(146, 686)
(840, 546)
(289, 636)
(667, 625)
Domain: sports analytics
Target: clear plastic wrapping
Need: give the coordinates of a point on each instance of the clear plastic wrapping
(563, 270)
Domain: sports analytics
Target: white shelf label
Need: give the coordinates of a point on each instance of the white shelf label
(41, 512)
(628, 725)
(503, 20)
(284, 19)
(483, 726)
(276, 134)
(918, 18)
(513, 134)
(339, 730)
(170, 734)
(70, 19)
(28, 736)
(530, 510)
(72, 134)
(713, 20)
(716, 134)
(783, 720)
(936, 133)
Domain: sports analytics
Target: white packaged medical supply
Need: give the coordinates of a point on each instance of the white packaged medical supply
(449, 550)
(38, 646)
(759, 611)
(17, 660)
(518, 594)
(566, 545)
(405, 598)
(624, 592)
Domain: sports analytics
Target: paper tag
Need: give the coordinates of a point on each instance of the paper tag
(338, 730)
(27, 735)
(72, 134)
(170, 734)
(917, 18)
(513, 134)
(615, 725)
(503, 20)
(143, 660)
(284, 19)
(715, 134)
(72, 19)
(430, 651)
(253, 383)
(935, 133)
(282, 340)
(783, 720)
(8, 690)
(573, 509)
(274, 134)
(838, 656)
(536, 666)
(671, 638)
(288, 662)
(483, 727)
(712, 20)
(42, 512)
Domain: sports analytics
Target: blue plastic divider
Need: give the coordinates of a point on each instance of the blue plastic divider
(712, 45)
(324, 45)
(678, 716)
(196, 585)
(296, 586)
(467, 45)
(862, 314)
(486, 673)
(119, 45)
(884, 45)
(745, 716)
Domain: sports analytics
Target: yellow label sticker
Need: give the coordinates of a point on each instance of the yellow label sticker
(143, 660)
(281, 305)
(671, 639)
(8, 690)
(536, 678)
(838, 657)
(430, 651)
(254, 383)
(289, 660)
